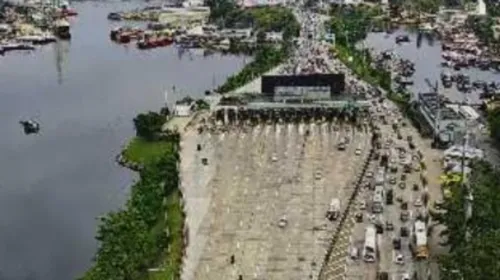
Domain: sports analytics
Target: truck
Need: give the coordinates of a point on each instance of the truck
(420, 237)
(333, 210)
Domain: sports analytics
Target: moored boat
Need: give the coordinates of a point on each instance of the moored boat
(114, 16)
(62, 29)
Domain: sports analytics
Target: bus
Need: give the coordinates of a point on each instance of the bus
(370, 247)
(420, 232)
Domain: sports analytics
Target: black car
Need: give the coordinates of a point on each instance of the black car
(404, 232)
(389, 197)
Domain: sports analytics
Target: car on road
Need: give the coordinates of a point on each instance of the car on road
(357, 152)
(402, 185)
(389, 225)
(405, 276)
(399, 259)
(274, 158)
(362, 205)
(354, 253)
(404, 216)
(392, 181)
(359, 217)
(438, 204)
(396, 243)
(404, 232)
(418, 202)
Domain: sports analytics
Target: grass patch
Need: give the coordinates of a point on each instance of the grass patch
(171, 260)
(142, 152)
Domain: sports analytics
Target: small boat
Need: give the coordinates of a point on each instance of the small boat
(37, 39)
(446, 79)
(114, 16)
(17, 47)
(62, 29)
(30, 126)
(402, 39)
(149, 43)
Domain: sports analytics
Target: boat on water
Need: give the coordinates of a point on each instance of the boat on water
(154, 43)
(62, 29)
(114, 16)
(37, 39)
(446, 79)
(14, 46)
(30, 126)
(125, 34)
(402, 39)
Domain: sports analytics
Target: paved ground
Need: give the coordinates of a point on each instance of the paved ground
(235, 202)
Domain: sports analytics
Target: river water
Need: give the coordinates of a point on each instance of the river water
(427, 59)
(54, 184)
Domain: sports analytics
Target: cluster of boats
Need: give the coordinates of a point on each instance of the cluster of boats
(464, 84)
(456, 60)
(403, 68)
(145, 39)
(462, 49)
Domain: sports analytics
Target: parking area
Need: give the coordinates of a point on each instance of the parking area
(256, 209)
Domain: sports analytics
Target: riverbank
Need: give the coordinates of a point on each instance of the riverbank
(144, 239)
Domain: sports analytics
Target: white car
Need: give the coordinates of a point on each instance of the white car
(354, 253)
(405, 276)
(418, 202)
(357, 152)
(274, 158)
(399, 259)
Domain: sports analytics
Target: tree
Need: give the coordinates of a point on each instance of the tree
(149, 125)
(476, 257)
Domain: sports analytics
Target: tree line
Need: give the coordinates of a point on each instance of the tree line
(350, 25)
(132, 239)
(473, 242)
(226, 14)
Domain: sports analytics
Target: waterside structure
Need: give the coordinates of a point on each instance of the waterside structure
(25, 24)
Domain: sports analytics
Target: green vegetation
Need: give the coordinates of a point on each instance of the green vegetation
(494, 125)
(265, 59)
(264, 19)
(351, 25)
(148, 126)
(147, 232)
(143, 152)
(476, 257)
(171, 259)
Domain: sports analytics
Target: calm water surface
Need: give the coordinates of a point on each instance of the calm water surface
(85, 94)
(427, 61)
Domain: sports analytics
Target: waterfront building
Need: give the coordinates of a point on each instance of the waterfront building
(261, 3)
(446, 124)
